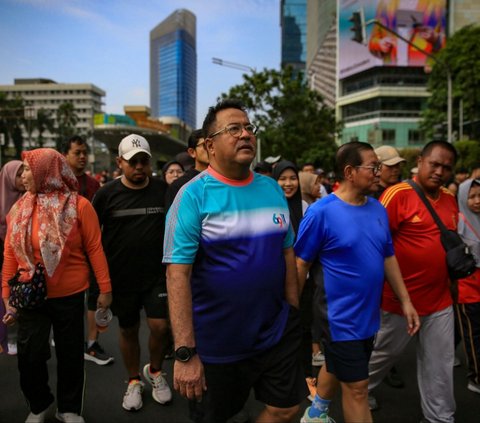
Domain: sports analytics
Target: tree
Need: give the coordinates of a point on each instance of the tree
(43, 123)
(293, 121)
(66, 120)
(462, 56)
(11, 122)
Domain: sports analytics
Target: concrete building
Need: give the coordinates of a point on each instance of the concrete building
(42, 93)
(173, 68)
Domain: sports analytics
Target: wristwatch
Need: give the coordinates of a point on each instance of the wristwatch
(184, 354)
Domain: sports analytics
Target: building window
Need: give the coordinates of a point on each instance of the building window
(388, 136)
(415, 137)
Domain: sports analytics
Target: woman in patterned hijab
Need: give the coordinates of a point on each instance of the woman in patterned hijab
(54, 226)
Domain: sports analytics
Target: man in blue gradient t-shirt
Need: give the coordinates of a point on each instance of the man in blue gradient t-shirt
(231, 281)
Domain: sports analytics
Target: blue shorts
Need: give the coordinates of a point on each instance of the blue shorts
(348, 360)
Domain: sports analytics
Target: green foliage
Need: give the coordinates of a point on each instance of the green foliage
(411, 156)
(11, 120)
(66, 120)
(462, 56)
(44, 122)
(292, 119)
(468, 154)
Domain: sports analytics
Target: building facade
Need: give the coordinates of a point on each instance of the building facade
(173, 68)
(293, 22)
(46, 94)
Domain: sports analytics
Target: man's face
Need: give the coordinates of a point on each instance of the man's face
(435, 169)
(227, 150)
(199, 153)
(390, 175)
(308, 169)
(137, 169)
(365, 177)
(77, 157)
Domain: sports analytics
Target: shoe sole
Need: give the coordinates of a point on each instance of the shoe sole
(98, 361)
(132, 408)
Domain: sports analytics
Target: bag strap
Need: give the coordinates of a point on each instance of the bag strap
(422, 196)
(469, 225)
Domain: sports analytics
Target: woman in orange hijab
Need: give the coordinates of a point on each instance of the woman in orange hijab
(54, 226)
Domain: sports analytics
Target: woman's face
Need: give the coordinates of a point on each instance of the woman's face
(18, 180)
(27, 178)
(288, 181)
(173, 172)
(473, 201)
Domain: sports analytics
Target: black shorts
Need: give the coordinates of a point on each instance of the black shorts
(348, 360)
(127, 305)
(276, 376)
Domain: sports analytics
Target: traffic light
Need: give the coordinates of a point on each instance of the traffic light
(357, 26)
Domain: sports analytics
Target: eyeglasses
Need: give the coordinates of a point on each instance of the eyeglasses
(145, 160)
(236, 129)
(200, 144)
(374, 168)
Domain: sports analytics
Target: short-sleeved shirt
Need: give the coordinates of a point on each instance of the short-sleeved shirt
(234, 234)
(347, 245)
(133, 226)
(418, 248)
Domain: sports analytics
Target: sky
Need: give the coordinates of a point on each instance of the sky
(107, 43)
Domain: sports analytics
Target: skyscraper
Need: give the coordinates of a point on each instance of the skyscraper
(173, 67)
(294, 33)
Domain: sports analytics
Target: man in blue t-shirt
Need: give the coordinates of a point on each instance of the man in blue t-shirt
(347, 239)
(231, 280)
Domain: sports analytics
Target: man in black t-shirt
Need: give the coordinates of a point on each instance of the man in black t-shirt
(198, 152)
(131, 211)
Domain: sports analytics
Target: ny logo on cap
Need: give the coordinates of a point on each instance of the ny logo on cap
(136, 143)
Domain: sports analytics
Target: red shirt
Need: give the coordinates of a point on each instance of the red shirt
(87, 186)
(469, 289)
(420, 254)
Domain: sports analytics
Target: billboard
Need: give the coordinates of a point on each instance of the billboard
(423, 22)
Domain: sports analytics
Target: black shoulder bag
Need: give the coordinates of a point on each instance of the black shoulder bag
(30, 294)
(460, 260)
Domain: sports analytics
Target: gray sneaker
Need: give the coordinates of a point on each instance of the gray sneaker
(160, 390)
(132, 400)
(69, 417)
(372, 403)
(323, 418)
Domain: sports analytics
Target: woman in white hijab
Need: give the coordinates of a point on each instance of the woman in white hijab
(468, 307)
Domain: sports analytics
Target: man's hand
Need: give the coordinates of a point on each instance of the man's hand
(104, 300)
(189, 378)
(411, 315)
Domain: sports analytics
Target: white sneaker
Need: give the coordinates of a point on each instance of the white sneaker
(69, 417)
(132, 400)
(160, 390)
(38, 418)
(474, 387)
(318, 359)
(12, 348)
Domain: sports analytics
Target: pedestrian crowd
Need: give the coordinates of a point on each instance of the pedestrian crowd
(290, 282)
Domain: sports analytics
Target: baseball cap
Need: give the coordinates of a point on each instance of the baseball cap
(131, 145)
(388, 155)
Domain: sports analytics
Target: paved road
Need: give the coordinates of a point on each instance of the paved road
(106, 385)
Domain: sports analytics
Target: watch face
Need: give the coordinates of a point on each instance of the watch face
(183, 354)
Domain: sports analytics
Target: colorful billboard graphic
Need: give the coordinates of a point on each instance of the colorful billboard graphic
(422, 22)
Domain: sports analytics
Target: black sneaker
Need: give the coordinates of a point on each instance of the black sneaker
(97, 354)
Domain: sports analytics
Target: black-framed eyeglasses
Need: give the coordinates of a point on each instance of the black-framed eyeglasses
(200, 144)
(236, 129)
(143, 160)
(374, 168)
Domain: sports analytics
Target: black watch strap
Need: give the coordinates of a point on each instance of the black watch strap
(184, 353)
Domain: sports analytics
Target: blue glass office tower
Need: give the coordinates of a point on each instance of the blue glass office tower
(294, 33)
(173, 67)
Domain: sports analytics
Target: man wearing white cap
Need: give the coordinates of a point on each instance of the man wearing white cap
(131, 211)
(391, 168)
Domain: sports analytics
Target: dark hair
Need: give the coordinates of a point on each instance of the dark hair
(168, 164)
(228, 103)
(308, 164)
(194, 137)
(349, 155)
(67, 144)
(427, 149)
